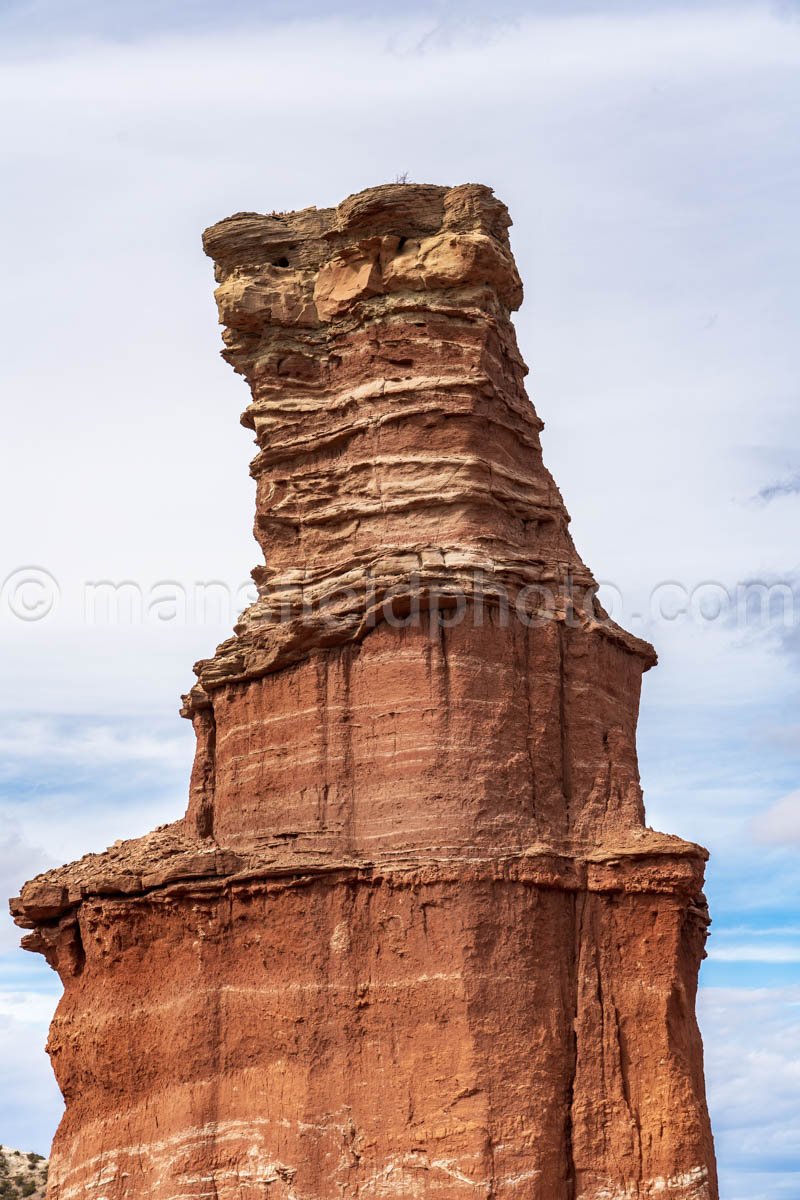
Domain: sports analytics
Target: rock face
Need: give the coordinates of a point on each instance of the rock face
(412, 937)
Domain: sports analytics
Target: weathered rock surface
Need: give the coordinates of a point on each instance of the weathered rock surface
(412, 937)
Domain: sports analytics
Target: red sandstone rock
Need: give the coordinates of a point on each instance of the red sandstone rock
(412, 937)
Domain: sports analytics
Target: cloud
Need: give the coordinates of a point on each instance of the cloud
(752, 1043)
(26, 1008)
(785, 487)
(75, 784)
(776, 953)
(147, 18)
(780, 824)
(87, 742)
(33, 1103)
(19, 860)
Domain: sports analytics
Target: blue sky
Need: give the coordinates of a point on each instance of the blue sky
(648, 154)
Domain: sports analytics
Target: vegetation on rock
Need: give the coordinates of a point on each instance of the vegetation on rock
(22, 1174)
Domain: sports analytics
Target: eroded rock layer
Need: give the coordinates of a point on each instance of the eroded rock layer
(413, 936)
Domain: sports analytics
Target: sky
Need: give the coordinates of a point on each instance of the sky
(648, 155)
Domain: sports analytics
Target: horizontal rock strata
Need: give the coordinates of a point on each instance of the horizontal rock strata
(412, 936)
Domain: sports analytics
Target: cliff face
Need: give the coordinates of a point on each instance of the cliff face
(412, 937)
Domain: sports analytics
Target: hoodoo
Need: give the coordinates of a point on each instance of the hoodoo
(412, 937)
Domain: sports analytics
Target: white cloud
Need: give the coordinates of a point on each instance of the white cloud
(86, 742)
(32, 1104)
(27, 1008)
(82, 800)
(19, 860)
(752, 1041)
(780, 823)
(73, 785)
(759, 953)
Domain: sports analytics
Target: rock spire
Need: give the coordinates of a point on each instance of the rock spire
(412, 937)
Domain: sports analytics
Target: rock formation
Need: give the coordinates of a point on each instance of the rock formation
(412, 937)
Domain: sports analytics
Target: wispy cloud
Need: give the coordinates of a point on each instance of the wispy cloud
(752, 1043)
(782, 487)
(75, 784)
(27, 1008)
(780, 823)
(33, 1104)
(148, 17)
(89, 741)
(19, 860)
(747, 952)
